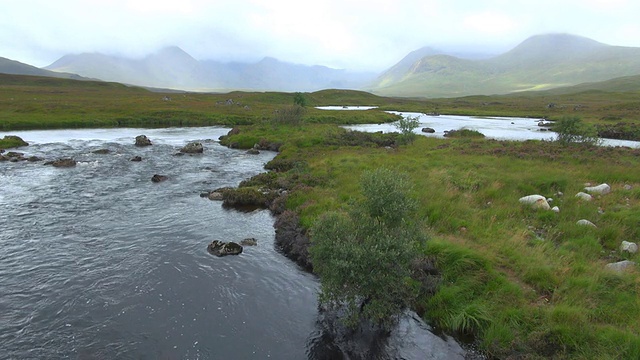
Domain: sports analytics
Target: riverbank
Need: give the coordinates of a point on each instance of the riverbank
(524, 282)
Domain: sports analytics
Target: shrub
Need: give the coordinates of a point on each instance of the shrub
(572, 130)
(290, 115)
(406, 125)
(364, 256)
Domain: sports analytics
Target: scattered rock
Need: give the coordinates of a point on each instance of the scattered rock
(536, 202)
(159, 178)
(555, 209)
(629, 247)
(600, 189)
(585, 222)
(584, 196)
(219, 248)
(428, 130)
(621, 266)
(628, 187)
(249, 242)
(193, 148)
(142, 140)
(136, 158)
(101, 151)
(62, 163)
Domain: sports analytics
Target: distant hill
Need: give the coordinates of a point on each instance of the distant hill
(175, 69)
(540, 62)
(12, 67)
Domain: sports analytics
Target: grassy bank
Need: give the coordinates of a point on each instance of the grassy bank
(524, 282)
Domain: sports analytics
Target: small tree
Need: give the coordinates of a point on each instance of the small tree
(571, 129)
(363, 256)
(406, 125)
(300, 99)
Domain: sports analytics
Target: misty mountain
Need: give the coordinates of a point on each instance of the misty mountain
(13, 67)
(175, 69)
(540, 62)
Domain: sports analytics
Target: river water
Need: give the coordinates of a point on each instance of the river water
(98, 262)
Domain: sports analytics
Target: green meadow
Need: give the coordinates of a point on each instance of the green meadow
(520, 282)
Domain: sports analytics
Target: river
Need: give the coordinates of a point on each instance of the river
(98, 262)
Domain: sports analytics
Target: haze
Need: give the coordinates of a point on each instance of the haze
(362, 35)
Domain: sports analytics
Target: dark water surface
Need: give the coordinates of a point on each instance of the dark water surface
(98, 262)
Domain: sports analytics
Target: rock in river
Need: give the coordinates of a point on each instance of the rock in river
(159, 178)
(193, 148)
(220, 248)
(62, 163)
(142, 140)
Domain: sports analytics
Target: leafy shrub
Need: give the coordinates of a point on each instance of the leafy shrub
(406, 125)
(572, 130)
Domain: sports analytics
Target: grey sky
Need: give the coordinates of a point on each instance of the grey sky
(351, 34)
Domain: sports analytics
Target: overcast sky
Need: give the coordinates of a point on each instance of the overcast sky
(351, 34)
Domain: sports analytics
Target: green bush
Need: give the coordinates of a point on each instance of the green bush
(572, 130)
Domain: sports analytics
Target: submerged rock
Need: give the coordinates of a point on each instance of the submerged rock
(159, 178)
(220, 248)
(136, 158)
(142, 140)
(101, 151)
(62, 163)
(249, 242)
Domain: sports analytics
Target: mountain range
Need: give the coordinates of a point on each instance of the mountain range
(173, 68)
(540, 62)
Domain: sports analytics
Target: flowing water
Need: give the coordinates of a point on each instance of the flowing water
(98, 262)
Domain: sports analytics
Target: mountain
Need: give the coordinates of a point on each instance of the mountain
(175, 69)
(12, 67)
(540, 62)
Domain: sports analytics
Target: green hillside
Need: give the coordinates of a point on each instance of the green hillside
(539, 63)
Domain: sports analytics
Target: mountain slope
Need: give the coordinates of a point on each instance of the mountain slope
(173, 68)
(540, 62)
(12, 67)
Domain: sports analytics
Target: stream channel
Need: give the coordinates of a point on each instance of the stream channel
(99, 262)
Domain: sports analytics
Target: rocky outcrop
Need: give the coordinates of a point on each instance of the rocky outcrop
(220, 248)
(142, 140)
(159, 178)
(14, 141)
(65, 163)
(535, 201)
(292, 239)
(192, 148)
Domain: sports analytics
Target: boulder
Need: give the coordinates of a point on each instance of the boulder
(159, 178)
(555, 209)
(142, 140)
(15, 141)
(215, 196)
(219, 248)
(585, 222)
(253, 152)
(600, 189)
(136, 158)
(193, 148)
(62, 163)
(536, 202)
(249, 242)
(629, 247)
(428, 130)
(584, 196)
(621, 266)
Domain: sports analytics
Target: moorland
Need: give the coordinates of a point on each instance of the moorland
(519, 282)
